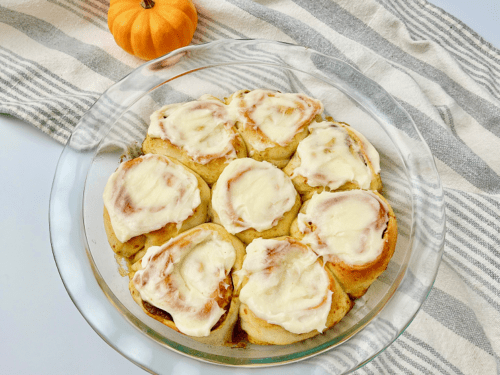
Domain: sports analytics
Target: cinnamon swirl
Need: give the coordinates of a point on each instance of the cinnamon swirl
(287, 294)
(334, 157)
(200, 134)
(189, 283)
(354, 231)
(254, 199)
(150, 199)
(273, 123)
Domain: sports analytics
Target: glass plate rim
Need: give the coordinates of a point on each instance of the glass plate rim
(186, 49)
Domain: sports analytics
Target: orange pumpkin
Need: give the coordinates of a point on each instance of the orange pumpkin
(152, 28)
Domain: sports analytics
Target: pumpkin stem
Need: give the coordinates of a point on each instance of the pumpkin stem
(147, 4)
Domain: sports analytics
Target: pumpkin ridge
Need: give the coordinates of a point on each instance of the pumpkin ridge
(186, 32)
(159, 29)
(119, 8)
(187, 12)
(170, 33)
(121, 28)
(142, 39)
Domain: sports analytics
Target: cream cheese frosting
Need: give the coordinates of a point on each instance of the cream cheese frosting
(287, 285)
(330, 157)
(147, 193)
(345, 225)
(370, 151)
(277, 116)
(203, 128)
(252, 194)
(183, 277)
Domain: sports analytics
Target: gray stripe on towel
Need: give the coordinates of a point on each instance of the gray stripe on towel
(51, 37)
(486, 113)
(485, 74)
(302, 33)
(457, 317)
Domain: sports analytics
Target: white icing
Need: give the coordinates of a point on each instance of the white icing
(252, 194)
(202, 128)
(330, 157)
(286, 285)
(370, 151)
(147, 193)
(279, 116)
(182, 277)
(347, 225)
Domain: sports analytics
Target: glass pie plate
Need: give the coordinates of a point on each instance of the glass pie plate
(113, 129)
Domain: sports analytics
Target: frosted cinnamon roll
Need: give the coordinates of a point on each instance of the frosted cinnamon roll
(334, 157)
(189, 285)
(273, 123)
(287, 294)
(200, 134)
(254, 199)
(354, 231)
(150, 199)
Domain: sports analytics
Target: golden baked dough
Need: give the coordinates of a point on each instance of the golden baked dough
(225, 293)
(339, 159)
(285, 261)
(213, 145)
(354, 275)
(133, 248)
(258, 111)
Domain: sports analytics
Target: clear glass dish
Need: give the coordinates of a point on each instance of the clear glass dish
(115, 127)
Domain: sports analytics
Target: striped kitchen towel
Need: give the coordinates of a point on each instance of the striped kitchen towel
(57, 57)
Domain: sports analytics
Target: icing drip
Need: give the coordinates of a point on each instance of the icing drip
(330, 157)
(147, 193)
(286, 285)
(252, 194)
(345, 225)
(203, 128)
(276, 117)
(188, 277)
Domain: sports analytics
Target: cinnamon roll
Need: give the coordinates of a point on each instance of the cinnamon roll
(200, 134)
(354, 231)
(254, 199)
(287, 294)
(272, 123)
(189, 283)
(150, 199)
(334, 157)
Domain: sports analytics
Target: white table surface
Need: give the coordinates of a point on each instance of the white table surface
(42, 331)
